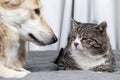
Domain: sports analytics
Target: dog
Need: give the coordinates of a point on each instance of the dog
(20, 21)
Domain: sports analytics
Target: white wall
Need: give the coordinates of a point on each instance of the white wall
(66, 23)
(81, 9)
(58, 15)
(105, 11)
(97, 11)
(118, 22)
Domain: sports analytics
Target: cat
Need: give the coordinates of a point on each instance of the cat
(88, 48)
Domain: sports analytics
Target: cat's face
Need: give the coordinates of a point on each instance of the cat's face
(90, 37)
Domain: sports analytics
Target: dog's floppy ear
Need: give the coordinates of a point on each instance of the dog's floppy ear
(10, 3)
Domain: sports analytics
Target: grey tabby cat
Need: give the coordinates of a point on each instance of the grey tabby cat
(88, 48)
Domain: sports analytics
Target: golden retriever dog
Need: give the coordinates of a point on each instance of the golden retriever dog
(20, 21)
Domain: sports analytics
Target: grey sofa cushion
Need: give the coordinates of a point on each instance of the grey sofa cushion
(40, 63)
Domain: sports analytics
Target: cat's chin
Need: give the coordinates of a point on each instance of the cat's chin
(77, 49)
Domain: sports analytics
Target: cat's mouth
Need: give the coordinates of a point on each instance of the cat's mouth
(77, 49)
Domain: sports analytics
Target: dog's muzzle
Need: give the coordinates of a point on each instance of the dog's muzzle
(43, 42)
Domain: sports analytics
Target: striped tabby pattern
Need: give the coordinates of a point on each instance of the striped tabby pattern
(88, 48)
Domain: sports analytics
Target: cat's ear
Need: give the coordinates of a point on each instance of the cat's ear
(102, 26)
(75, 23)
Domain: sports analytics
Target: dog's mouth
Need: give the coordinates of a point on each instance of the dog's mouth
(36, 40)
(44, 41)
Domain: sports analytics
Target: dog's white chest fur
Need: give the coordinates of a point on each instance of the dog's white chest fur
(86, 61)
(13, 45)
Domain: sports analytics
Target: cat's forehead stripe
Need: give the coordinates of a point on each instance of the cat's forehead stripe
(84, 27)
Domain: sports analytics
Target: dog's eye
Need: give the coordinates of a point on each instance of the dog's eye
(37, 11)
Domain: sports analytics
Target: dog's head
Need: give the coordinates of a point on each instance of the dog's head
(26, 18)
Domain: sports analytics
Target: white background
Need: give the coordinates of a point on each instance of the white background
(58, 14)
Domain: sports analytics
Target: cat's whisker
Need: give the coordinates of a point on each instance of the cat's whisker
(86, 49)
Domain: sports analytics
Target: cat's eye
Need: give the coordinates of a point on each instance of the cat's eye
(73, 37)
(84, 39)
(37, 11)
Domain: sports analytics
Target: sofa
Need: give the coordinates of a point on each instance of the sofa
(40, 63)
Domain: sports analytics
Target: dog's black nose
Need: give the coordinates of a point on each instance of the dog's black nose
(55, 39)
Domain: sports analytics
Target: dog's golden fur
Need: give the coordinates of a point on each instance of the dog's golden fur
(13, 38)
(13, 4)
(6, 42)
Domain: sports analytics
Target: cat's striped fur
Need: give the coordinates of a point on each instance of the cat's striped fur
(88, 48)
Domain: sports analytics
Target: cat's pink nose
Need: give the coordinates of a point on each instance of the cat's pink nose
(76, 44)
